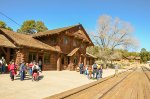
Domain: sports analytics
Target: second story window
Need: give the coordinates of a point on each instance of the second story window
(46, 58)
(65, 40)
(82, 46)
(74, 43)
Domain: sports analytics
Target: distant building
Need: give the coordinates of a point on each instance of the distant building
(130, 59)
(59, 49)
(134, 59)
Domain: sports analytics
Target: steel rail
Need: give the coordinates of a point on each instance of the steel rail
(101, 96)
(145, 72)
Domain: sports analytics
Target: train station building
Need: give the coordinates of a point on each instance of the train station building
(59, 49)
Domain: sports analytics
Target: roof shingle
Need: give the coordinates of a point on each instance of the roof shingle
(26, 40)
(4, 42)
(79, 34)
(73, 52)
(51, 32)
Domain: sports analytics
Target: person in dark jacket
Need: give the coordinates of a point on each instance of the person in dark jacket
(81, 68)
(22, 71)
(0, 66)
(3, 65)
(99, 72)
(94, 69)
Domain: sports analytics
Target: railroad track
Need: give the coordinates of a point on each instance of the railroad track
(84, 91)
(101, 96)
(146, 72)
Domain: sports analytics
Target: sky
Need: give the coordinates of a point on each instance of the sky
(61, 13)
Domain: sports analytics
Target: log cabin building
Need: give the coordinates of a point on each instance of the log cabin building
(59, 49)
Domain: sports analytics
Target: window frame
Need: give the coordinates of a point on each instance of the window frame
(82, 46)
(47, 58)
(74, 43)
(33, 56)
(63, 60)
(75, 60)
(65, 40)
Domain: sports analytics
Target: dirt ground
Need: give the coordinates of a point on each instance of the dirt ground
(51, 82)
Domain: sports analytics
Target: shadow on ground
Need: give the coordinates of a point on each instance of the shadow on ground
(28, 77)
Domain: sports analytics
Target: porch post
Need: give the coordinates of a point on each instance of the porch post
(37, 57)
(84, 60)
(58, 62)
(79, 60)
(8, 56)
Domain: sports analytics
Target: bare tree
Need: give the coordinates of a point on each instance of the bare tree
(111, 34)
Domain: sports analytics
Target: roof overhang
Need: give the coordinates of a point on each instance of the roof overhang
(73, 52)
(4, 42)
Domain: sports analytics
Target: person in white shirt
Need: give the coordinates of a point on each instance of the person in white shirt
(0, 65)
(116, 69)
(35, 72)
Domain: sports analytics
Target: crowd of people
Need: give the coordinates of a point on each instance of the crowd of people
(93, 72)
(22, 69)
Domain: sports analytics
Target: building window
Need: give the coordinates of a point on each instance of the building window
(65, 40)
(75, 60)
(68, 60)
(74, 43)
(46, 58)
(32, 56)
(62, 60)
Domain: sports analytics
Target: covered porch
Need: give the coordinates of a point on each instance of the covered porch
(90, 59)
(7, 49)
(71, 61)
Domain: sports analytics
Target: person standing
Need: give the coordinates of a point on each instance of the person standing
(22, 71)
(94, 68)
(101, 71)
(40, 64)
(81, 68)
(8, 67)
(30, 68)
(35, 72)
(116, 69)
(12, 69)
(89, 72)
(98, 71)
(86, 70)
(3, 65)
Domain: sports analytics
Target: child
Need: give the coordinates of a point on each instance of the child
(89, 72)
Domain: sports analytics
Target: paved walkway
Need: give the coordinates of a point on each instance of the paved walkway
(52, 82)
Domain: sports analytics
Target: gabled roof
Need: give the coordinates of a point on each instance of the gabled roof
(26, 40)
(133, 57)
(83, 36)
(73, 52)
(4, 42)
(51, 32)
(90, 55)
